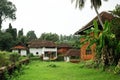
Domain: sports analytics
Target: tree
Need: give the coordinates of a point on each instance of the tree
(12, 31)
(6, 41)
(20, 33)
(7, 10)
(50, 37)
(31, 35)
(94, 4)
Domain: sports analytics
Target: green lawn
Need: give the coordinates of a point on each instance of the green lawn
(38, 70)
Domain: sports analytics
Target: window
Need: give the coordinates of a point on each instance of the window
(88, 52)
(46, 54)
(36, 53)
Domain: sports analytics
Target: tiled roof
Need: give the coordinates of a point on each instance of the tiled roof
(73, 52)
(64, 45)
(104, 16)
(19, 47)
(41, 43)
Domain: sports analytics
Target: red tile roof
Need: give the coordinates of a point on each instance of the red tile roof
(41, 43)
(19, 47)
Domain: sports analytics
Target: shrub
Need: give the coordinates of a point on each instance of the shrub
(60, 58)
(4, 59)
(14, 57)
(117, 68)
(30, 55)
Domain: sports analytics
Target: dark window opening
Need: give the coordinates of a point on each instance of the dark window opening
(88, 52)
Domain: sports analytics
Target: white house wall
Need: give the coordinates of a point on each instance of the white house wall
(23, 52)
(15, 51)
(36, 50)
(48, 49)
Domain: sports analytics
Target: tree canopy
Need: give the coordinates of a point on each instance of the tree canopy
(7, 10)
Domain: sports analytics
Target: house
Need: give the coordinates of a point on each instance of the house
(63, 48)
(46, 49)
(72, 55)
(89, 53)
(22, 50)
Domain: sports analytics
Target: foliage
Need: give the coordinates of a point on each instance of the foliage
(31, 35)
(7, 10)
(117, 68)
(4, 59)
(12, 31)
(6, 41)
(20, 33)
(107, 47)
(115, 28)
(49, 36)
(73, 40)
(116, 11)
(14, 57)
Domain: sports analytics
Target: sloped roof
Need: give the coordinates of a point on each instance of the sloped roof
(104, 16)
(41, 43)
(64, 45)
(19, 47)
(73, 52)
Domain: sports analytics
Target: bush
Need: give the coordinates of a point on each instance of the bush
(117, 68)
(14, 57)
(30, 55)
(60, 58)
(4, 59)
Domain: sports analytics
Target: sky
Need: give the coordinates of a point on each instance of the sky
(55, 16)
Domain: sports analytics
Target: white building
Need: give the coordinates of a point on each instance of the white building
(46, 49)
(22, 50)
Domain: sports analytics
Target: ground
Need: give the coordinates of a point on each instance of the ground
(38, 70)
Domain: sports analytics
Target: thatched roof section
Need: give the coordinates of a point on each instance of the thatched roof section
(104, 16)
(73, 52)
(41, 43)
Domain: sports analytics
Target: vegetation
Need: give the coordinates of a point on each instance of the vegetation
(7, 58)
(38, 70)
(7, 10)
(49, 36)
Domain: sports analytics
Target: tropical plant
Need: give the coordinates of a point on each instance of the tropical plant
(94, 4)
(107, 47)
(7, 10)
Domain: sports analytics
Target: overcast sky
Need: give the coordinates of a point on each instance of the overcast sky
(56, 16)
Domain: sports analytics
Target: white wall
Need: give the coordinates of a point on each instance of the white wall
(16, 51)
(35, 50)
(23, 52)
(48, 49)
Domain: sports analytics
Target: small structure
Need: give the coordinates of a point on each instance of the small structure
(72, 55)
(46, 49)
(63, 48)
(22, 50)
(87, 54)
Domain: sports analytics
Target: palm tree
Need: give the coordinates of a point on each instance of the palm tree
(94, 4)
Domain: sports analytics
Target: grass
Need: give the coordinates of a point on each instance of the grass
(38, 70)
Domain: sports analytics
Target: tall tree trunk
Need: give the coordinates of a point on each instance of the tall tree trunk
(98, 15)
